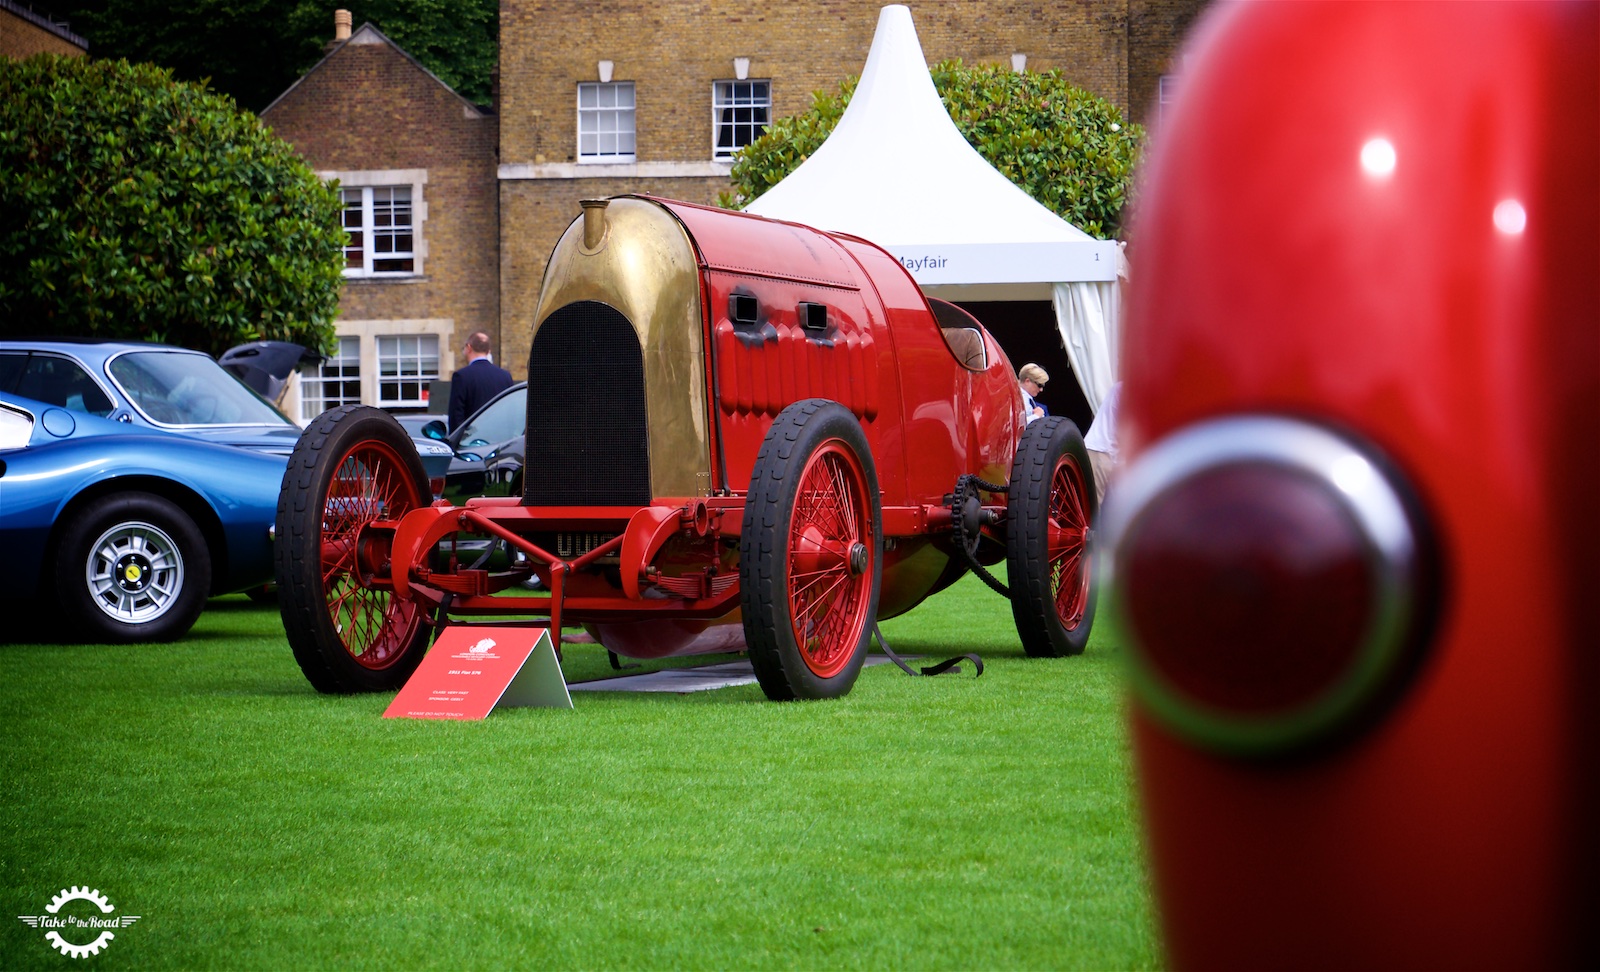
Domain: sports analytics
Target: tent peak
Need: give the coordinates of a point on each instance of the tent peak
(897, 171)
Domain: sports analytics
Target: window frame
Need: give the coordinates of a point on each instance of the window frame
(314, 377)
(369, 179)
(401, 377)
(367, 332)
(718, 107)
(598, 158)
(1166, 94)
(373, 209)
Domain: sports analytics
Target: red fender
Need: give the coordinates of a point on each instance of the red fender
(648, 529)
(411, 539)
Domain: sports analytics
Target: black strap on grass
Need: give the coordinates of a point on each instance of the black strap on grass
(948, 665)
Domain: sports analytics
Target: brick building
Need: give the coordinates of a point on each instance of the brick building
(605, 97)
(416, 168)
(612, 96)
(25, 32)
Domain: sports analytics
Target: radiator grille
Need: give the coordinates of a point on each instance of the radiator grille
(587, 444)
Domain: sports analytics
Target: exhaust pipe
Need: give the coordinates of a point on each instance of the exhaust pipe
(594, 223)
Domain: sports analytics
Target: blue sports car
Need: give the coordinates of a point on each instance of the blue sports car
(129, 528)
(158, 386)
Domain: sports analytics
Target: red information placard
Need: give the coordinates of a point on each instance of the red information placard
(471, 670)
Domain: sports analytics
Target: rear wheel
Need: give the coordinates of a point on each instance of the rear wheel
(353, 466)
(133, 567)
(1050, 507)
(810, 553)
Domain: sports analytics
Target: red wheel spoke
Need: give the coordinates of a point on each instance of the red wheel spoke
(369, 484)
(817, 577)
(818, 604)
(1065, 544)
(827, 603)
(1068, 567)
(845, 511)
(1069, 561)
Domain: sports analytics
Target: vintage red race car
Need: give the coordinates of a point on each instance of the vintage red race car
(742, 433)
(1355, 549)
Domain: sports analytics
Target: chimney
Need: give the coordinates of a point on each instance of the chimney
(341, 25)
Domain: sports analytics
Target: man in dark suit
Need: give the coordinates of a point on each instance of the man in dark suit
(479, 381)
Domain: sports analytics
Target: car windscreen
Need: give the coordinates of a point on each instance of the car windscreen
(505, 418)
(175, 388)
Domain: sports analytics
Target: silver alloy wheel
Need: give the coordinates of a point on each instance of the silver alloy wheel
(134, 572)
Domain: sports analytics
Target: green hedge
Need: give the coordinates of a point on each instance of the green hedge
(1068, 149)
(136, 206)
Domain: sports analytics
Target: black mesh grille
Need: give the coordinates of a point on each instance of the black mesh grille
(586, 418)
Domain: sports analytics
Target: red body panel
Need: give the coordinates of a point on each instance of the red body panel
(668, 584)
(889, 365)
(1278, 274)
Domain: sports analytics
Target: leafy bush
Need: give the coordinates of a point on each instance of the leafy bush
(136, 206)
(1068, 149)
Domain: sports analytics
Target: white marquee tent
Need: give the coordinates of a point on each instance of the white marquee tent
(896, 171)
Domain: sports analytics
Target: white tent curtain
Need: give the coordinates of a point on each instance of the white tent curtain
(1089, 317)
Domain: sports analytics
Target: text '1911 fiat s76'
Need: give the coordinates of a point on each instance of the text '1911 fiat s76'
(750, 434)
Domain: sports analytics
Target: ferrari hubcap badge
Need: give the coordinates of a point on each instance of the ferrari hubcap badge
(131, 573)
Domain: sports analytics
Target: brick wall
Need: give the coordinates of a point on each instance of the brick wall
(674, 49)
(1156, 28)
(24, 34)
(368, 106)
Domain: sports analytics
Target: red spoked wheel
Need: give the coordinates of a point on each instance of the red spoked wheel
(352, 468)
(811, 553)
(1069, 541)
(1050, 509)
(829, 586)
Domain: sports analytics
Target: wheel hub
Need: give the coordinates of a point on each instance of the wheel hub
(858, 559)
(815, 552)
(132, 573)
(373, 549)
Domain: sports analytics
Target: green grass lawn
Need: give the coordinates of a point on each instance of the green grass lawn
(252, 823)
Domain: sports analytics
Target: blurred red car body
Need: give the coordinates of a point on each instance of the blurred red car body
(1373, 225)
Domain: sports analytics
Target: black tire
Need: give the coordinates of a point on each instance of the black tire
(346, 636)
(820, 442)
(132, 567)
(1053, 592)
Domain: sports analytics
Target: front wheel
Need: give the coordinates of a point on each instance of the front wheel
(353, 466)
(811, 553)
(133, 567)
(1050, 506)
